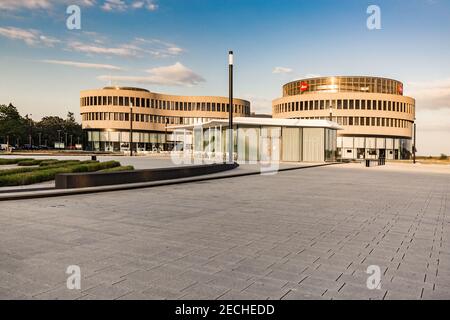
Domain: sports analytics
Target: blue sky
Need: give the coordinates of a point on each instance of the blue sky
(180, 47)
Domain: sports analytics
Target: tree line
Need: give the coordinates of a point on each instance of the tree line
(19, 130)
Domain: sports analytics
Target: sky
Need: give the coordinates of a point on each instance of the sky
(181, 47)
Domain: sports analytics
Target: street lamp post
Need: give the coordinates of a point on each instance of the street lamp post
(165, 134)
(31, 131)
(40, 134)
(131, 129)
(59, 139)
(230, 112)
(414, 144)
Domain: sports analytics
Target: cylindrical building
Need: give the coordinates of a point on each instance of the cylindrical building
(377, 118)
(106, 116)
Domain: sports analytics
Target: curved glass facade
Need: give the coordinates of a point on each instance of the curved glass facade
(343, 84)
(377, 119)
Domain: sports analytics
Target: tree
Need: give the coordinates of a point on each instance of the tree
(12, 125)
(52, 129)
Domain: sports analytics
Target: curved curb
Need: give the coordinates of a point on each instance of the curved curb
(130, 186)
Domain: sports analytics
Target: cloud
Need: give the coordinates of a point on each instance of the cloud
(14, 5)
(139, 47)
(122, 5)
(122, 51)
(433, 94)
(48, 41)
(29, 36)
(107, 5)
(82, 64)
(25, 4)
(92, 43)
(114, 5)
(174, 75)
(282, 70)
(158, 48)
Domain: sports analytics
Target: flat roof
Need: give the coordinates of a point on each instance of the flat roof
(252, 121)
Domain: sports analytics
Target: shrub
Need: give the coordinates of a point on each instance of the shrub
(47, 173)
(443, 157)
(117, 169)
(28, 163)
(91, 167)
(12, 161)
(49, 162)
(30, 169)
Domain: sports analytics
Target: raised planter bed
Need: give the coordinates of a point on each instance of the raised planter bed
(96, 179)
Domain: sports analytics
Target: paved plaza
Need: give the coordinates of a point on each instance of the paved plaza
(302, 234)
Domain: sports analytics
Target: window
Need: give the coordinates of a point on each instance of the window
(351, 104)
(345, 104)
(120, 101)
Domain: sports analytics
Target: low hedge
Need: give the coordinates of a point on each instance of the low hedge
(48, 162)
(35, 162)
(116, 169)
(13, 161)
(48, 174)
(41, 167)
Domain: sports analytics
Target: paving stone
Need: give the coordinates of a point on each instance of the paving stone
(258, 242)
